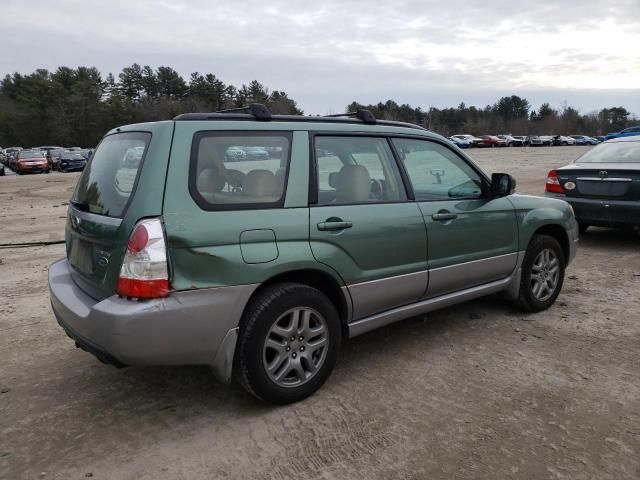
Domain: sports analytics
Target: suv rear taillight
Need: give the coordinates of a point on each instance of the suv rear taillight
(144, 272)
(553, 184)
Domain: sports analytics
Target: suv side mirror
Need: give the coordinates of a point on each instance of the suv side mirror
(502, 184)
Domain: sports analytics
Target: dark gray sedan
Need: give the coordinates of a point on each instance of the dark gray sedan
(603, 185)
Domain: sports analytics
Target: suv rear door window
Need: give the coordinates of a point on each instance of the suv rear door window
(356, 170)
(108, 180)
(231, 170)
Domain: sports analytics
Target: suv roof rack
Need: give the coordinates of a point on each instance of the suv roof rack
(365, 115)
(260, 112)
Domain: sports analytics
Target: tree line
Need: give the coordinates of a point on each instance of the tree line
(75, 107)
(513, 115)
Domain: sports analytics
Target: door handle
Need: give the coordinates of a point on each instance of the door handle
(444, 216)
(334, 225)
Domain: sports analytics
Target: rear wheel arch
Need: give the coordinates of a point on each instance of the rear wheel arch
(322, 281)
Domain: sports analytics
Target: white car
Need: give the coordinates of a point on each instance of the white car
(473, 141)
(563, 140)
(234, 154)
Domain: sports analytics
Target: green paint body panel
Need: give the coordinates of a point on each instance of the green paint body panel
(536, 212)
(240, 247)
(483, 228)
(386, 240)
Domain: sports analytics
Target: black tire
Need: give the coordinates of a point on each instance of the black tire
(527, 301)
(582, 227)
(259, 317)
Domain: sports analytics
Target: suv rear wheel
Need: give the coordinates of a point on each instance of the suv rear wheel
(288, 343)
(542, 274)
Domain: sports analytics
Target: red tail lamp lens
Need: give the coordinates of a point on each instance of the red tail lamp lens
(138, 239)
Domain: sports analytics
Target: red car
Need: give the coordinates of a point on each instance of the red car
(491, 141)
(31, 161)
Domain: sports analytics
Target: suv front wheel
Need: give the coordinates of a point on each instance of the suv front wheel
(542, 274)
(288, 343)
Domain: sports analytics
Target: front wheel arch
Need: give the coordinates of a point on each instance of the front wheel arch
(549, 276)
(559, 233)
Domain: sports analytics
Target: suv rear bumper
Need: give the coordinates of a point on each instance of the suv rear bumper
(197, 327)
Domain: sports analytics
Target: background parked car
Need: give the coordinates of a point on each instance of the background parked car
(601, 185)
(11, 157)
(627, 132)
(469, 138)
(547, 140)
(47, 148)
(9, 154)
(461, 143)
(53, 157)
(31, 161)
(563, 140)
(518, 140)
(70, 161)
(533, 141)
(511, 140)
(256, 153)
(584, 140)
(491, 141)
(235, 154)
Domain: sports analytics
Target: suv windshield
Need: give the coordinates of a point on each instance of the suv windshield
(110, 177)
(618, 152)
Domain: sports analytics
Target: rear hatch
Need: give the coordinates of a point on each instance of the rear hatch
(97, 230)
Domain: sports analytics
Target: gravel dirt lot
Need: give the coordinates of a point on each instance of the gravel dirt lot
(478, 391)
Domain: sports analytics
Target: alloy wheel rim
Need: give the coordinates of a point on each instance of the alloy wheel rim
(296, 347)
(545, 274)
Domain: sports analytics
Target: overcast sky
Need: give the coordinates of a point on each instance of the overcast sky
(327, 53)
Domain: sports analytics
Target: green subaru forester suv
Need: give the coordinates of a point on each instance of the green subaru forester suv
(255, 243)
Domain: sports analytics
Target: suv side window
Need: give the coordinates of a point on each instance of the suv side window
(354, 169)
(436, 172)
(232, 170)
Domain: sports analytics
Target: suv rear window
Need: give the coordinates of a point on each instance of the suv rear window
(110, 177)
(233, 170)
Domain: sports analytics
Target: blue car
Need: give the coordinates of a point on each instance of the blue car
(460, 143)
(627, 132)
